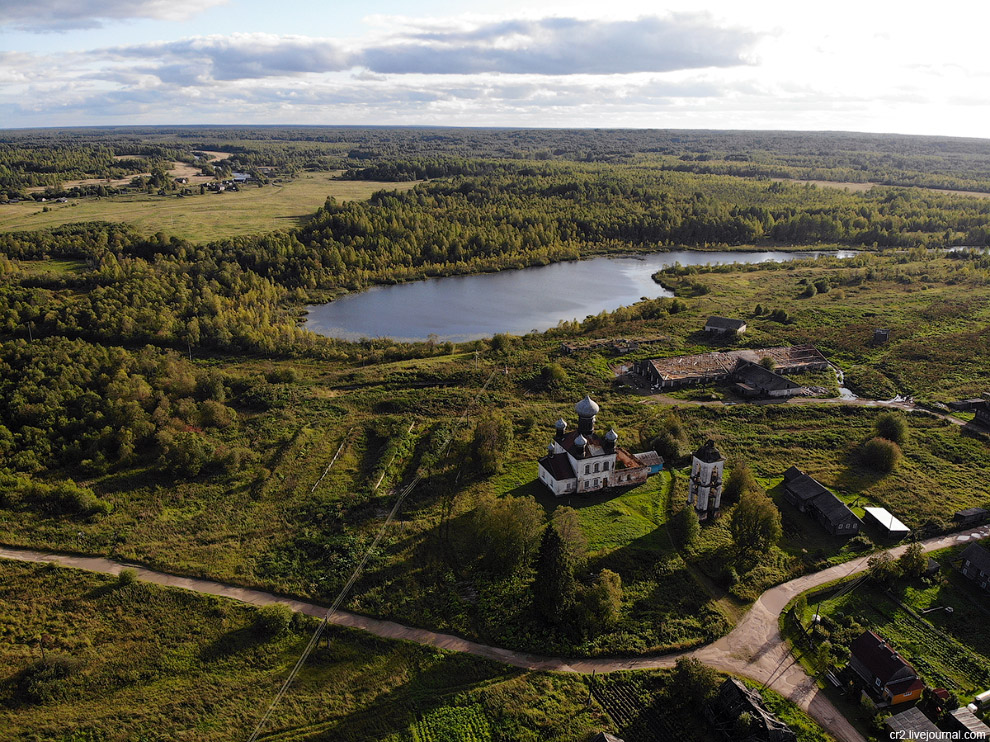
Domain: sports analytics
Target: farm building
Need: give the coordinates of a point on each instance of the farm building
(887, 676)
(963, 720)
(705, 483)
(582, 461)
(976, 565)
(810, 496)
(912, 724)
(971, 516)
(707, 368)
(733, 700)
(724, 326)
(753, 380)
(883, 519)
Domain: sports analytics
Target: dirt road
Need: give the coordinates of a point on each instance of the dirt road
(754, 648)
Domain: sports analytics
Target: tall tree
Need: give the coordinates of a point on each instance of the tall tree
(755, 522)
(492, 439)
(554, 589)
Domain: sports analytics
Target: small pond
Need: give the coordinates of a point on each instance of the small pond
(462, 308)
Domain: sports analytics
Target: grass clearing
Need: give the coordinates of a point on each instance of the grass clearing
(201, 218)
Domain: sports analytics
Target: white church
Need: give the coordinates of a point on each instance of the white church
(581, 461)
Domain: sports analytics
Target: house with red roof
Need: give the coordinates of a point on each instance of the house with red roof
(889, 678)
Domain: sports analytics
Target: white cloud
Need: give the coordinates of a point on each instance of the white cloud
(43, 16)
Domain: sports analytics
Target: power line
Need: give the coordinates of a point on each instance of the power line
(314, 640)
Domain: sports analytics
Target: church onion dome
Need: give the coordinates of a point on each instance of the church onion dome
(708, 453)
(611, 436)
(586, 407)
(561, 424)
(580, 441)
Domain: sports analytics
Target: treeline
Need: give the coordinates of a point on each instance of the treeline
(936, 162)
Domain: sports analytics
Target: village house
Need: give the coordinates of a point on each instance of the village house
(976, 565)
(810, 496)
(708, 368)
(724, 326)
(888, 678)
(705, 482)
(732, 701)
(582, 461)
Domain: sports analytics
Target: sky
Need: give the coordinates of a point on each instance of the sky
(868, 65)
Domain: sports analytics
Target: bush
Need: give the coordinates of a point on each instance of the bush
(893, 427)
(881, 455)
(127, 577)
(45, 681)
(272, 620)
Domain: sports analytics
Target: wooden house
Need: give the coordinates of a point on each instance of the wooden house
(732, 701)
(810, 496)
(976, 565)
(725, 326)
(886, 675)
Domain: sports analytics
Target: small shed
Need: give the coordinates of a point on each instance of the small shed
(965, 721)
(651, 459)
(724, 325)
(881, 335)
(886, 522)
(912, 724)
(971, 516)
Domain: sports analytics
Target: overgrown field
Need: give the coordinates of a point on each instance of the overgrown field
(89, 658)
(252, 210)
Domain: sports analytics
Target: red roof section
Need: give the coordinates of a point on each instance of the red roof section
(881, 659)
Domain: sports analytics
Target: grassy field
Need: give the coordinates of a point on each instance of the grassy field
(88, 658)
(138, 662)
(201, 218)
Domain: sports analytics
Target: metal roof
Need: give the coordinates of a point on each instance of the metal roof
(968, 721)
(912, 721)
(887, 520)
(724, 323)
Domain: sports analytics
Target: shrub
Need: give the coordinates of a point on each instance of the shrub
(893, 427)
(45, 681)
(881, 455)
(127, 576)
(272, 620)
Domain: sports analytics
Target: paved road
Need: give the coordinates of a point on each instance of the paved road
(754, 648)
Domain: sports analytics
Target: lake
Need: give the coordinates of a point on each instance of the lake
(462, 308)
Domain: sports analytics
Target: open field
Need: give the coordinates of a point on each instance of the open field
(201, 218)
(136, 661)
(862, 187)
